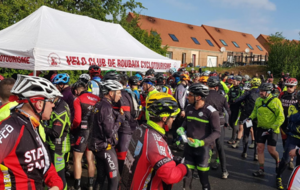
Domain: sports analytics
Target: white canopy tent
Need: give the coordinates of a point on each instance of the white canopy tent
(49, 39)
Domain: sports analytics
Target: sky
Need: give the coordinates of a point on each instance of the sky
(247, 16)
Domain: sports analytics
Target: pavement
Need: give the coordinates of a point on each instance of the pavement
(240, 171)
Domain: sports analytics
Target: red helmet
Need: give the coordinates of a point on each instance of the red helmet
(270, 79)
(1, 77)
(94, 70)
(213, 74)
(291, 82)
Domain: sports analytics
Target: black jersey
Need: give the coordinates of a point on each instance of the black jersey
(202, 124)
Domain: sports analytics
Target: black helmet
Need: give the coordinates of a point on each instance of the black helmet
(150, 72)
(238, 78)
(213, 81)
(133, 80)
(124, 77)
(77, 85)
(266, 87)
(160, 78)
(199, 89)
(150, 79)
(111, 76)
(177, 74)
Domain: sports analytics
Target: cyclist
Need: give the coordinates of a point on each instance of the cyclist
(23, 152)
(196, 77)
(249, 98)
(83, 105)
(202, 126)
(5, 88)
(219, 102)
(94, 86)
(269, 113)
(105, 125)
(58, 139)
(150, 72)
(149, 162)
(180, 96)
(293, 138)
(134, 83)
(234, 92)
(62, 84)
(161, 85)
(149, 89)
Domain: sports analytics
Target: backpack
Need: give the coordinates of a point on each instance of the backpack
(136, 111)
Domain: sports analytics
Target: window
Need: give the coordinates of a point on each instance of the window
(174, 37)
(209, 42)
(250, 46)
(224, 43)
(259, 47)
(195, 40)
(170, 55)
(235, 44)
(183, 58)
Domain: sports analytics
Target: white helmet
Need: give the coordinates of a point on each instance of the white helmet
(30, 86)
(85, 78)
(111, 85)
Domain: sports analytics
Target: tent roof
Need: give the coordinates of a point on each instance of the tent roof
(49, 31)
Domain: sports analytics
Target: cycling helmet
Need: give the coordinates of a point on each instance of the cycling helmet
(134, 80)
(206, 73)
(85, 78)
(150, 80)
(291, 82)
(182, 69)
(172, 71)
(213, 81)
(192, 69)
(199, 89)
(62, 78)
(203, 79)
(247, 86)
(31, 86)
(124, 77)
(110, 70)
(197, 75)
(177, 74)
(226, 73)
(77, 85)
(150, 72)
(94, 70)
(139, 76)
(238, 78)
(162, 105)
(1, 77)
(111, 76)
(111, 85)
(160, 78)
(266, 87)
(215, 74)
(246, 77)
(255, 82)
(185, 77)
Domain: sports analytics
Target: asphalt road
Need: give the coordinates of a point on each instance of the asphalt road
(240, 172)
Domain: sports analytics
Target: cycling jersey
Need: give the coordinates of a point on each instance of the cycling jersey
(105, 124)
(69, 99)
(294, 181)
(5, 109)
(149, 162)
(287, 99)
(294, 121)
(234, 93)
(269, 116)
(136, 91)
(25, 155)
(58, 129)
(202, 124)
(224, 87)
(249, 98)
(94, 86)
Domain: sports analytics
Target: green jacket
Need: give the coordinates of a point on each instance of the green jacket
(225, 88)
(265, 117)
(149, 94)
(5, 110)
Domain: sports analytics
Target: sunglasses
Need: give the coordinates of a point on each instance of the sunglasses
(51, 100)
(289, 86)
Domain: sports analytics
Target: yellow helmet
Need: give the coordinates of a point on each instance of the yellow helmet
(162, 105)
(203, 79)
(255, 82)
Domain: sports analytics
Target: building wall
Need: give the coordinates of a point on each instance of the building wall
(263, 42)
(201, 55)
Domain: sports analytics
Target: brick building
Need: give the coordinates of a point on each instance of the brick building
(202, 45)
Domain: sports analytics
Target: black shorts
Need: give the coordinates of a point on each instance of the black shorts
(243, 116)
(80, 140)
(272, 139)
(197, 158)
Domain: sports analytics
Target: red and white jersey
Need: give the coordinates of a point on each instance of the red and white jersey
(294, 181)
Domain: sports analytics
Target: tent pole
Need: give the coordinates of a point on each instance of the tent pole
(131, 73)
(34, 72)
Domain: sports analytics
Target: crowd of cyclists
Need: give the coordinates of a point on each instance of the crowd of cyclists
(120, 126)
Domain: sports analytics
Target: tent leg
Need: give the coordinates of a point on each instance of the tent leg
(131, 73)
(34, 72)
